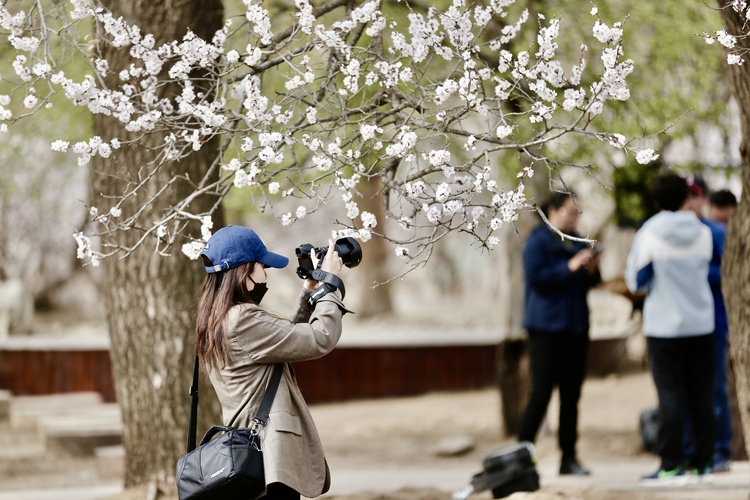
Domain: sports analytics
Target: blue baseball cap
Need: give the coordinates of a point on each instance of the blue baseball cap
(231, 246)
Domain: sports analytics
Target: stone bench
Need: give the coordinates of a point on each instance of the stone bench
(110, 462)
(5, 398)
(25, 411)
(81, 434)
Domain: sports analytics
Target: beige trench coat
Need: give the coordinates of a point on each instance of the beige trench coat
(257, 339)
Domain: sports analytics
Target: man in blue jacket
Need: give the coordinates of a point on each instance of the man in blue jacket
(558, 274)
(698, 199)
(669, 261)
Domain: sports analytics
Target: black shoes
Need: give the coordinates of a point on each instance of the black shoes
(573, 468)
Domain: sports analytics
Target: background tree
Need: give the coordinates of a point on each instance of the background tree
(149, 299)
(736, 271)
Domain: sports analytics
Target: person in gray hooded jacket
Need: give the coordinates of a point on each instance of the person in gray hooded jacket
(669, 261)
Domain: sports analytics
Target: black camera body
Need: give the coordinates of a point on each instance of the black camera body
(348, 249)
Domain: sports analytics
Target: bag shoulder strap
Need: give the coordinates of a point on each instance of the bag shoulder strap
(193, 425)
(261, 416)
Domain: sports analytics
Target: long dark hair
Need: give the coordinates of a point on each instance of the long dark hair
(218, 294)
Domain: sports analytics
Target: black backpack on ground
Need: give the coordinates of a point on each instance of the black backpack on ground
(505, 471)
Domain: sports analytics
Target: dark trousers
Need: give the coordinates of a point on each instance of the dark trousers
(279, 491)
(683, 372)
(557, 359)
(722, 411)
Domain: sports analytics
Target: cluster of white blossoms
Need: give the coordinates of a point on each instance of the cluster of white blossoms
(418, 107)
(734, 53)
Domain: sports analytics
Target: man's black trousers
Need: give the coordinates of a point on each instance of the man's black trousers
(683, 372)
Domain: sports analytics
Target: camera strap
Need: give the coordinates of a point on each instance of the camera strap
(329, 278)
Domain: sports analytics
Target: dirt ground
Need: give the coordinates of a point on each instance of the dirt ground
(388, 449)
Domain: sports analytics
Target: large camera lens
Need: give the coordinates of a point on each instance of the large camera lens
(349, 250)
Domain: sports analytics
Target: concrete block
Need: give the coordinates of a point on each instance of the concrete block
(25, 411)
(110, 462)
(79, 435)
(5, 397)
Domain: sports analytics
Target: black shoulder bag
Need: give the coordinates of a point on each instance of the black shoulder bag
(231, 466)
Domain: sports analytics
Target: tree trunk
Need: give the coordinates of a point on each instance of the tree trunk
(735, 268)
(373, 269)
(739, 451)
(514, 382)
(513, 373)
(150, 299)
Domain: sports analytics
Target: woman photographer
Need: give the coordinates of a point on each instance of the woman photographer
(239, 342)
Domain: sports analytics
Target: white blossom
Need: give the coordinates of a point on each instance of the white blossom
(84, 246)
(645, 156)
(60, 146)
(193, 249)
(240, 179)
(368, 131)
(726, 39)
(442, 192)
(401, 252)
(311, 115)
(352, 210)
(617, 140)
(368, 220)
(438, 157)
(432, 212)
(605, 34)
(503, 131)
(735, 59)
(406, 223)
(364, 234)
(233, 56)
(206, 225)
(573, 99)
(305, 16)
(24, 44)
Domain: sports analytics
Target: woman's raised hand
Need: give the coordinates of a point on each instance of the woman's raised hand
(332, 263)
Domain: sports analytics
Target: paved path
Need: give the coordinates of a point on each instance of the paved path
(613, 477)
(623, 477)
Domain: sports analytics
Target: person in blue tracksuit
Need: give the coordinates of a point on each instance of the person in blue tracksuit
(558, 274)
(669, 262)
(698, 199)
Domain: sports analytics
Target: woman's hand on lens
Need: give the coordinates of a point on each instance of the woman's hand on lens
(332, 263)
(310, 283)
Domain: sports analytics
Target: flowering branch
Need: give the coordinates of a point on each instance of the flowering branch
(309, 113)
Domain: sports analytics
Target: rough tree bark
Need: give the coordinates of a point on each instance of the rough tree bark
(375, 301)
(735, 267)
(513, 369)
(150, 299)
